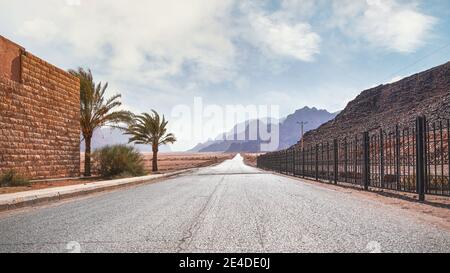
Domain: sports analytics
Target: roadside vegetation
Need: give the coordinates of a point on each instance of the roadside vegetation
(150, 129)
(96, 110)
(13, 179)
(118, 161)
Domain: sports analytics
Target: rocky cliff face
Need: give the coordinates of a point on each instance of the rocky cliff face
(426, 93)
(290, 131)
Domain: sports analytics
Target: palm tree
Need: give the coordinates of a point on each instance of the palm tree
(150, 129)
(95, 110)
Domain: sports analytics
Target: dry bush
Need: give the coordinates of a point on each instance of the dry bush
(13, 179)
(118, 161)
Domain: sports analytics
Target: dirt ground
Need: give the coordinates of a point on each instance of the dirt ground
(48, 184)
(167, 162)
(250, 159)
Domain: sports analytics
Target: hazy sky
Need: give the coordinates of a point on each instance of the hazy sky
(293, 53)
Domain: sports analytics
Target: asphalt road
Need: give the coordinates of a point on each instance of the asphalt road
(227, 208)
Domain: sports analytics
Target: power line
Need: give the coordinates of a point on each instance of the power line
(417, 61)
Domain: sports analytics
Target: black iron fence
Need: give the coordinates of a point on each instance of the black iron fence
(411, 159)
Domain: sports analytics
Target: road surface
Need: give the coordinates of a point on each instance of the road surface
(227, 208)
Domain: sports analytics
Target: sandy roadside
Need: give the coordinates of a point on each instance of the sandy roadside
(168, 162)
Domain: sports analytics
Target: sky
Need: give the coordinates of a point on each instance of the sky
(291, 53)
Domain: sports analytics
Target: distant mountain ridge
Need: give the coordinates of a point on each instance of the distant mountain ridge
(232, 137)
(288, 127)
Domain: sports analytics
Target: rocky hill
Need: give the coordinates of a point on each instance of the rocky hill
(290, 129)
(236, 139)
(426, 93)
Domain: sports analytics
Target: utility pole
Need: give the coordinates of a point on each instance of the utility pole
(302, 125)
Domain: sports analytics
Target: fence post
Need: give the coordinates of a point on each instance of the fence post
(328, 162)
(448, 152)
(420, 157)
(345, 160)
(317, 162)
(280, 162)
(286, 162)
(336, 158)
(397, 157)
(293, 162)
(303, 162)
(381, 158)
(366, 160)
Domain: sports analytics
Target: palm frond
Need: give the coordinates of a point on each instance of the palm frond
(95, 110)
(149, 128)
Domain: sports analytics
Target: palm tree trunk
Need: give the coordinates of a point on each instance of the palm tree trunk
(87, 156)
(155, 159)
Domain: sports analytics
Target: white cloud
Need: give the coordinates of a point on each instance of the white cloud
(154, 41)
(155, 38)
(298, 9)
(159, 53)
(39, 29)
(389, 24)
(279, 37)
(284, 31)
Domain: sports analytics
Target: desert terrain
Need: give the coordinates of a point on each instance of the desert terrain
(167, 162)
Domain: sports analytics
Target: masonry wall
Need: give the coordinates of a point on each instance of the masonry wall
(39, 116)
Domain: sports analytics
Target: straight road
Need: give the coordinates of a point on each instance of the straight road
(227, 208)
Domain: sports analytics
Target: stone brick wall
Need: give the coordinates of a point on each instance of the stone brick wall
(39, 116)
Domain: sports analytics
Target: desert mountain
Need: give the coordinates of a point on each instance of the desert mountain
(426, 93)
(289, 132)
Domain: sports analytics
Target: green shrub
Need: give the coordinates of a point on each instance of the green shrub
(12, 179)
(118, 161)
